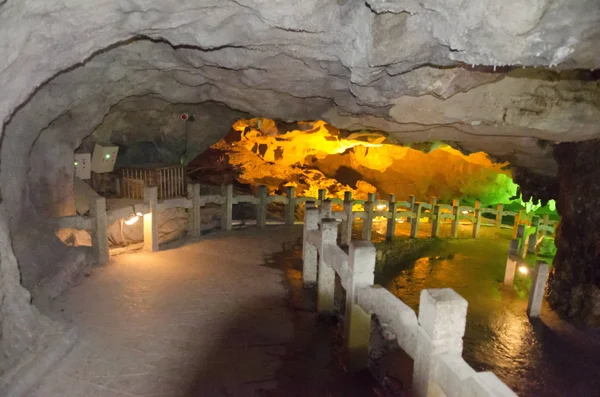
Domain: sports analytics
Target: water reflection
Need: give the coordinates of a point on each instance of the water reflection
(538, 358)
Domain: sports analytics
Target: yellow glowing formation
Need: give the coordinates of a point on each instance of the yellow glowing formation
(316, 155)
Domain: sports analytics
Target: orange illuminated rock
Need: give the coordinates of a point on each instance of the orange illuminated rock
(320, 156)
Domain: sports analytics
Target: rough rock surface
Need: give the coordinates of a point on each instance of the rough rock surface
(64, 65)
(148, 126)
(574, 286)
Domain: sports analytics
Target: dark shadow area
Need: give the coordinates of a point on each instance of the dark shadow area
(254, 357)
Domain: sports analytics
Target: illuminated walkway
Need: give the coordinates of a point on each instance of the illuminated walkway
(226, 316)
(204, 319)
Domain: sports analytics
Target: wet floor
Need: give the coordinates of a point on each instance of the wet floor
(546, 357)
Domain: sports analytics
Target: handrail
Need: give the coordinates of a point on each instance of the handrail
(413, 211)
(433, 339)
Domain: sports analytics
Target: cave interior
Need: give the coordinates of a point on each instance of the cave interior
(316, 96)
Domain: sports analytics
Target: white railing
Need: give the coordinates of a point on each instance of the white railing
(433, 339)
(518, 249)
(99, 219)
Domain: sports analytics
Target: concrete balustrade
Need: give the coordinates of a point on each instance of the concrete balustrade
(416, 220)
(533, 237)
(347, 222)
(151, 219)
(433, 340)
(511, 263)
(437, 219)
(195, 219)
(538, 288)
(499, 214)
(227, 207)
(477, 223)
(455, 219)
(442, 321)
(368, 218)
(290, 206)
(326, 277)
(99, 219)
(390, 231)
(99, 232)
(321, 195)
(309, 251)
(261, 207)
(357, 327)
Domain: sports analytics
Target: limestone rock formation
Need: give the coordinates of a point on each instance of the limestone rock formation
(355, 63)
(574, 283)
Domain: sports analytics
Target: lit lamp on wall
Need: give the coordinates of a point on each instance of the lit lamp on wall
(523, 269)
(133, 218)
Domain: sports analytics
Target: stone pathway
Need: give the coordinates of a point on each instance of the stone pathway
(203, 319)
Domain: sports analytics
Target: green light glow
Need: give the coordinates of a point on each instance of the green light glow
(107, 155)
(75, 164)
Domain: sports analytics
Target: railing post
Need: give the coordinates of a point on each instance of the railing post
(151, 219)
(517, 223)
(411, 203)
(499, 210)
(326, 278)
(195, 221)
(390, 231)
(433, 203)
(227, 207)
(414, 222)
(309, 252)
(533, 237)
(477, 223)
(455, 218)
(326, 209)
(99, 230)
(545, 222)
(357, 325)
(442, 320)
(511, 263)
(368, 218)
(322, 195)
(261, 207)
(522, 242)
(538, 287)
(348, 219)
(435, 228)
(290, 208)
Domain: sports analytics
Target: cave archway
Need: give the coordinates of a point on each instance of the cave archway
(339, 61)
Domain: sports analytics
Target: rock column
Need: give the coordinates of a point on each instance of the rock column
(574, 285)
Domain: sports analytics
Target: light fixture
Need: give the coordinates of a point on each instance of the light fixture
(523, 269)
(133, 219)
(382, 207)
(465, 212)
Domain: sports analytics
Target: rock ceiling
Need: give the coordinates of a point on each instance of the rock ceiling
(418, 70)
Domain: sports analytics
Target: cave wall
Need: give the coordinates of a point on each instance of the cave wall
(156, 121)
(346, 60)
(574, 284)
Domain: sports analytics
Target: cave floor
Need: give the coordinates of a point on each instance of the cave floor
(222, 316)
(227, 316)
